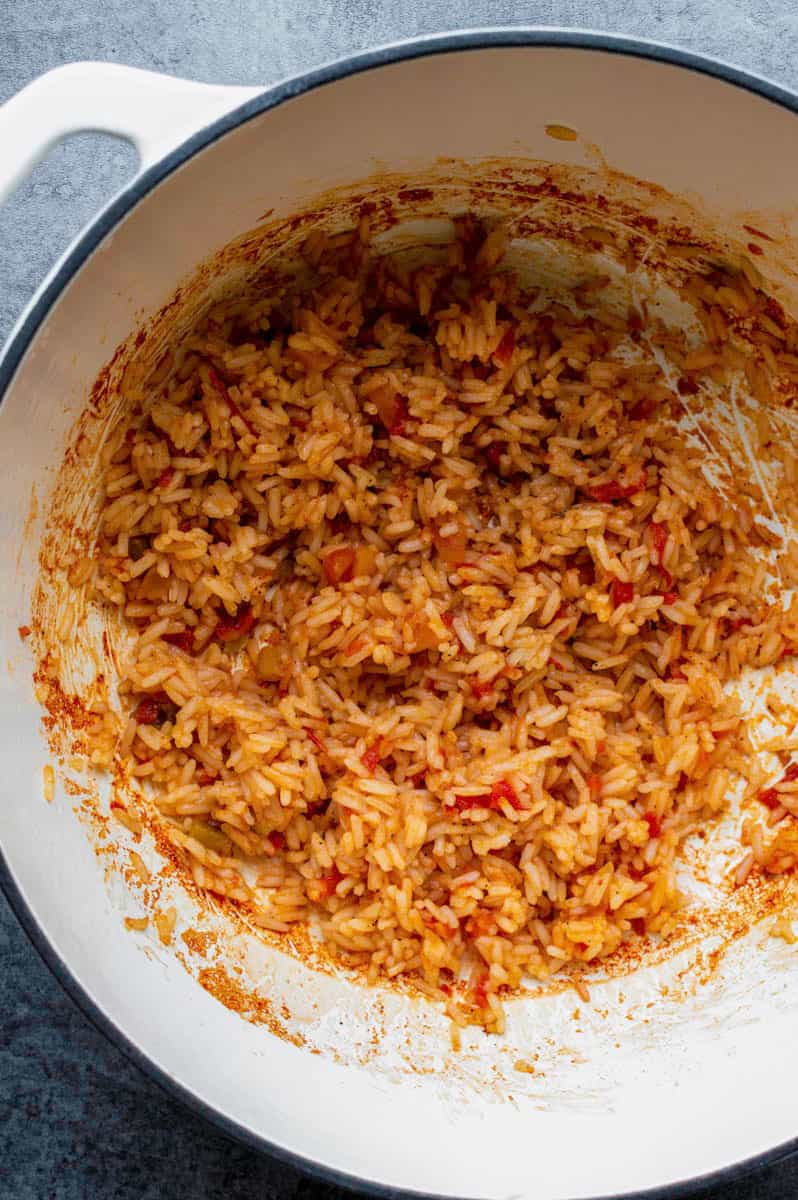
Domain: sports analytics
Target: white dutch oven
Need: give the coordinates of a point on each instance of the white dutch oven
(637, 1091)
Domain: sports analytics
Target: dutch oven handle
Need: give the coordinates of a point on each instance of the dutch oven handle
(155, 112)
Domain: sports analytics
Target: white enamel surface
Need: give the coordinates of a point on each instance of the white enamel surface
(621, 1105)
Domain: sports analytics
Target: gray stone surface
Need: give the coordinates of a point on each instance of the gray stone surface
(77, 1121)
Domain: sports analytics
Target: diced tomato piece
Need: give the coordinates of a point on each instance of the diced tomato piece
(183, 641)
(621, 593)
(676, 673)
(452, 547)
(448, 618)
(769, 796)
(230, 629)
(480, 689)
(639, 925)
(494, 454)
(329, 882)
(503, 790)
(605, 493)
(670, 597)
(601, 748)
(391, 409)
(643, 409)
(165, 478)
(481, 923)
(152, 710)
(24, 631)
(653, 822)
(205, 779)
(424, 636)
(314, 737)
(277, 839)
(736, 623)
(373, 755)
(481, 992)
(148, 711)
(339, 565)
(504, 351)
(419, 780)
(594, 785)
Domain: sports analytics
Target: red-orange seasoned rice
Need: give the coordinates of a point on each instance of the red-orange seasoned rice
(433, 610)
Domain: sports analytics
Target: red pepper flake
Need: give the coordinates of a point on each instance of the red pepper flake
(277, 840)
(314, 737)
(230, 629)
(221, 388)
(494, 454)
(638, 925)
(204, 779)
(165, 478)
(653, 822)
(555, 662)
(339, 565)
(183, 641)
(754, 249)
(786, 651)
(373, 755)
(504, 351)
(605, 493)
(503, 790)
(24, 631)
(621, 593)
(446, 988)
(594, 785)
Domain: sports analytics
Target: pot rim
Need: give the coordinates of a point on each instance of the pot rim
(41, 305)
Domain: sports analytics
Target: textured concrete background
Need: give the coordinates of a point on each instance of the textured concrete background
(76, 1120)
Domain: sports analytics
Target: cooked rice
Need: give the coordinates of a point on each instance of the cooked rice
(434, 608)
